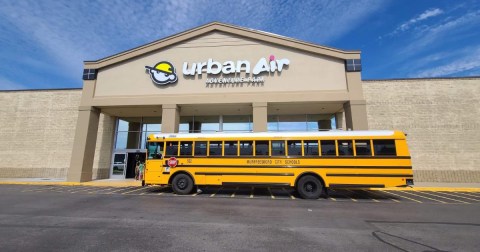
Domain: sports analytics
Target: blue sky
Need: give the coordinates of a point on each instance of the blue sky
(43, 43)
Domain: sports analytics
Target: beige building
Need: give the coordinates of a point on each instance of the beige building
(219, 77)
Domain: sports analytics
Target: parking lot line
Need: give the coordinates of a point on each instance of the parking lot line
(39, 189)
(213, 194)
(469, 194)
(378, 194)
(368, 196)
(383, 196)
(118, 190)
(271, 194)
(233, 194)
(401, 196)
(461, 201)
(417, 195)
(84, 190)
(141, 188)
(251, 193)
(354, 200)
(463, 197)
(290, 195)
(102, 190)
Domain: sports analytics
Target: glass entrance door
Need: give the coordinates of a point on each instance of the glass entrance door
(119, 165)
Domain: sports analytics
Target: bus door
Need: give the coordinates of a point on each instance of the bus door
(155, 164)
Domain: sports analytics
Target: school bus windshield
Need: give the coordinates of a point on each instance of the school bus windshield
(155, 150)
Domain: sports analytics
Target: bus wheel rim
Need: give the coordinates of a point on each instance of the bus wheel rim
(182, 183)
(310, 187)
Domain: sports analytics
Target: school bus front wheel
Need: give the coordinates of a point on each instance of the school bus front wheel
(182, 184)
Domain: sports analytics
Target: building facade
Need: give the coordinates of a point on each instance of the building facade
(219, 77)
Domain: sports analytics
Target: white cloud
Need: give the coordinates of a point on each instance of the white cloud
(425, 15)
(450, 28)
(466, 61)
(70, 32)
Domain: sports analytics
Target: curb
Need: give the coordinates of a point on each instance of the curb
(433, 189)
(99, 184)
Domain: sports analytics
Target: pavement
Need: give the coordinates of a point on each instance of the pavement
(419, 186)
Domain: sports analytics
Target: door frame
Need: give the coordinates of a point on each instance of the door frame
(126, 152)
(112, 164)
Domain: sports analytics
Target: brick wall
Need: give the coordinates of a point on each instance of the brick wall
(441, 118)
(36, 134)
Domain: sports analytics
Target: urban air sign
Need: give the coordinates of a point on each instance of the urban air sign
(164, 72)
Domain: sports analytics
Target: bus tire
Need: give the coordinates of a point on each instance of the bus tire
(309, 187)
(182, 184)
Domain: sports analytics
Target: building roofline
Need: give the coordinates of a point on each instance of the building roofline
(222, 27)
(40, 89)
(426, 78)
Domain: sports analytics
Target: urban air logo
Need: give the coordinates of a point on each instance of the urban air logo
(162, 73)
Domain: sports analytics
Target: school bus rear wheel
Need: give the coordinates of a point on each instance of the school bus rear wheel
(182, 184)
(309, 187)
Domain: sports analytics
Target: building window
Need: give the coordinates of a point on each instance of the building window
(353, 65)
(132, 132)
(305, 122)
(222, 123)
(89, 74)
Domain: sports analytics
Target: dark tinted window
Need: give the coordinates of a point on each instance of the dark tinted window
(172, 149)
(278, 148)
(200, 148)
(310, 148)
(384, 147)
(345, 148)
(231, 148)
(294, 148)
(328, 148)
(261, 148)
(215, 148)
(186, 148)
(246, 148)
(362, 148)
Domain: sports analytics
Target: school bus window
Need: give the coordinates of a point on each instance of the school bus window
(294, 148)
(362, 148)
(310, 148)
(246, 148)
(172, 149)
(384, 147)
(200, 148)
(278, 148)
(328, 147)
(261, 148)
(186, 148)
(215, 148)
(231, 148)
(155, 150)
(345, 148)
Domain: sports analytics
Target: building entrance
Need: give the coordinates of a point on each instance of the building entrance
(125, 161)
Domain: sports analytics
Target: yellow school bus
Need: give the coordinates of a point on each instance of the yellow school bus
(310, 162)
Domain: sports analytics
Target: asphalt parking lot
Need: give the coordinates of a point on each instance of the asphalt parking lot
(338, 195)
(91, 218)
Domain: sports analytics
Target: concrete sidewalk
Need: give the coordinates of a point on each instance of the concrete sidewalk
(419, 186)
(47, 181)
